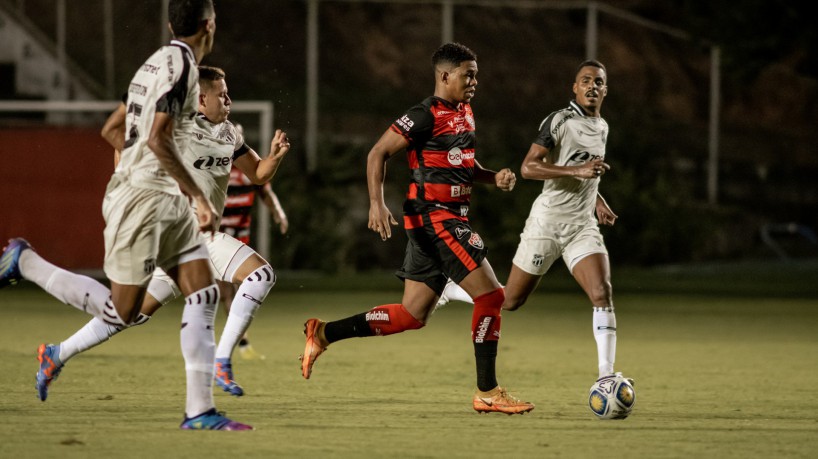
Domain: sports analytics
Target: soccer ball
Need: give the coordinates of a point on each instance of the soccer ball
(612, 397)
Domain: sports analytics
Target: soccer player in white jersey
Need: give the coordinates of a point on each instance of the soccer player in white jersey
(216, 144)
(148, 219)
(568, 155)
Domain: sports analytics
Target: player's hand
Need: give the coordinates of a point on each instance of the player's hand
(604, 214)
(381, 220)
(592, 169)
(280, 144)
(281, 220)
(206, 214)
(505, 179)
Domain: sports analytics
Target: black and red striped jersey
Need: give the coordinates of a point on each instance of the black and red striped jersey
(237, 217)
(440, 155)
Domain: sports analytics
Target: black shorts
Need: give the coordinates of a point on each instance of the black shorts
(441, 246)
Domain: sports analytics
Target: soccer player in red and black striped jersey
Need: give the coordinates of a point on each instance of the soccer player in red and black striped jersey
(438, 136)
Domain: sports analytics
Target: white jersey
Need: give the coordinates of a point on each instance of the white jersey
(572, 138)
(167, 82)
(209, 156)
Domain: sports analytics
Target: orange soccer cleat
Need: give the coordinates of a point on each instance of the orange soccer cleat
(500, 401)
(314, 346)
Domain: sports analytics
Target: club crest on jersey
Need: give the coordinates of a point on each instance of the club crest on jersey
(150, 266)
(476, 241)
(537, 260)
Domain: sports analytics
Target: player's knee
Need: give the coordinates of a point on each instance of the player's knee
(601, 293)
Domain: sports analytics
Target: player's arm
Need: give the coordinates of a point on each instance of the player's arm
(161, 142)
(536, 166)
(505, 179)
(270, 199)
(261, 171)
(113, 131)
(604, 214)
(380, 219)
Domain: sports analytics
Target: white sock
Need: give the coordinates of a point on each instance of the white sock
(199, 348)
(249, 296)
(455, 293)
(95, 332)
(82, 292)
(605, 336)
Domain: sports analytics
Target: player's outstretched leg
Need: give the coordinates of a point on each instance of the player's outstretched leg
(224, 378)
(10, 261)
(212, 420)
(50, 367)
(314, 347)
(500, 401)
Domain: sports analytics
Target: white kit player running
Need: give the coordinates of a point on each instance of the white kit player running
(148, 221)
(215, 145)
(569, 157)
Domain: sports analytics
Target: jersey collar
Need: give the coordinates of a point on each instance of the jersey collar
(182, 45)
(574, 106)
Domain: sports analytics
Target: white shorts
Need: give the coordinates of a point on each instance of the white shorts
(226, 255)
(145, 229)
(542, 242)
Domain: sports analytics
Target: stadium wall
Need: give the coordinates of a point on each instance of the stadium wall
(52, 183)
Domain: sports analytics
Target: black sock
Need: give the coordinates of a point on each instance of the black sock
(351, 327)
(485, 355)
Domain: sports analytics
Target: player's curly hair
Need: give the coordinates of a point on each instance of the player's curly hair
(453, 53)
(185, 16)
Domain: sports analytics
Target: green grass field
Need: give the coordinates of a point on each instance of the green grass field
(716, 376)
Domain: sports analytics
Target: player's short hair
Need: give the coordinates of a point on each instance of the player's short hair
(185, 16)
(453, 53)
(208, 75)
(591, 63)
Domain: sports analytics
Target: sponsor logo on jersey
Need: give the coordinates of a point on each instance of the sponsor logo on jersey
(455, 156)
(377, 315)
(470, 120)
(476, 241)
(405, 123)
(464, 211)
(150, 68)
(537, 260)
(460, 190)
(138, 89)
(485, 323)
(209, 162)
(562, 121)
(461, 231)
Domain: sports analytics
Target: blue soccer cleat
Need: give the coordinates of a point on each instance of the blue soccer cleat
(10, 261)
(212, 420)
(50, 368)
(224, 378)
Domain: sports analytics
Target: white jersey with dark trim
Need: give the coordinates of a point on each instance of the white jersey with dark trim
(209, 156)
(572, 138)
(167, 82)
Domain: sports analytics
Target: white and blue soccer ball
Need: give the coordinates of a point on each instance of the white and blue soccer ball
(612, 397)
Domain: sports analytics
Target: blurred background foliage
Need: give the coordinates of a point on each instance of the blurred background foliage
(375, 64)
